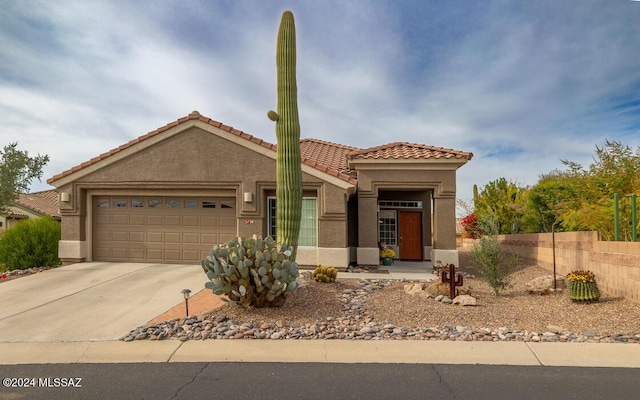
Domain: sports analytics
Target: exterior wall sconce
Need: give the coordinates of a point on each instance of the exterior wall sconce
(65, 196)
(248, 197)
(186, 293)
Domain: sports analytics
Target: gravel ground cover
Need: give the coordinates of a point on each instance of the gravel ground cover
(381, 310)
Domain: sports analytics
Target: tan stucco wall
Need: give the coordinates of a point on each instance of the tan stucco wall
(419, 181)
(197, 162)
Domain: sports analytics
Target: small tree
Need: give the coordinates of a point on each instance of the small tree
(495, 265)
(17, 170)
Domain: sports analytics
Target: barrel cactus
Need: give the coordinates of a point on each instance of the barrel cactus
(583, 286)
(324, 274)
(252, 272)
(288, 160)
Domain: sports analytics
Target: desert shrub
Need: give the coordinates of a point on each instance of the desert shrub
(31, 243)
(495, 266)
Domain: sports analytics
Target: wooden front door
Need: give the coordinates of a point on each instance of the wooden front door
(410, 226)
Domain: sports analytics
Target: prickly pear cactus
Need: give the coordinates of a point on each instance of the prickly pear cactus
(253, 272)
(324, 274)
(288, 161)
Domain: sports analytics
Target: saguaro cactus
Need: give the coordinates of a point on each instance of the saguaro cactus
(288, 163)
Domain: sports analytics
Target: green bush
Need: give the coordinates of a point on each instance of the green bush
(494, 265)
(31, 243)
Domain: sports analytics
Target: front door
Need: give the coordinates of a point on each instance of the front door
(410, 226)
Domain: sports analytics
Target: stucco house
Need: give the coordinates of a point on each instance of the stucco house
(30, 205)
(172, 194)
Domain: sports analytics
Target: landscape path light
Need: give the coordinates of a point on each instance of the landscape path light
(186, 293)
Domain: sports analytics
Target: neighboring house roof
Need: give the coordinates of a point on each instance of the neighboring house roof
(327, 157)
(43, 203)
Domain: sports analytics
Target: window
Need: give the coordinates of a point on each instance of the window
(227, 203)
(387, 227)
(137, 203)
(191, 204)
(120, 203)
(208, 204)
(308, 221)
(173, 203)
(154, 203)
(103, 203)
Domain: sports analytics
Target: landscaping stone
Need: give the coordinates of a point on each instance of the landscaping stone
(356, 324)
(465, 300)
(544, 284)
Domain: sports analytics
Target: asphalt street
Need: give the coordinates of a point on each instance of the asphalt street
(315, 381)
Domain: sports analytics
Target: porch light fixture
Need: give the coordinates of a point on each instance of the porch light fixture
(65, 196)
(248, 197)
(186, 293)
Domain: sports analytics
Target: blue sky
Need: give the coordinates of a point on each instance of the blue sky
(521, 84)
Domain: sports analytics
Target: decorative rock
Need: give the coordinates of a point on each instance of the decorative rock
(413, 288)
(356, 324)
(465, 300)
(544, 284)
(439, 297)
(438, 288)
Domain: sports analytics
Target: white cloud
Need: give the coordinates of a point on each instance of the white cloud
(519, 85)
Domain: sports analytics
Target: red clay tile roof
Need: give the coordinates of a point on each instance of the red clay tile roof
(327, 157)
(45, 202)
(196, 116)
(404, 150)
(332, 155)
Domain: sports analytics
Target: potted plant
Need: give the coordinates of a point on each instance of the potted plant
(387, 255)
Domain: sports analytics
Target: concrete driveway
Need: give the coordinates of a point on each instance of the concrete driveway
(91, 301)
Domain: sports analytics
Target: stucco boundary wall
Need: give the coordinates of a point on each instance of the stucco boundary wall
(616, 265)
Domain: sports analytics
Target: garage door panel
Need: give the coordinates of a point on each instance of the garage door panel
(154, 220)
(191, 238)
(182, 231)
(119, 253)
(136, 219)
(137, 254)
(103, 219)
(172, 220)
(101, 236)
(190, 220)
(137, 237)
(191, 256)
(120, 219)
(120, 236)
(209, 221)
(154, 254)
(228, 222)
(155, 237)
(172, 238)
(210, 238)
(172, 255)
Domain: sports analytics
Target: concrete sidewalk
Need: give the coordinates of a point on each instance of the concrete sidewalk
(325, 351)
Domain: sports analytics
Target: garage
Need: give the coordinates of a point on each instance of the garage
(160, 228)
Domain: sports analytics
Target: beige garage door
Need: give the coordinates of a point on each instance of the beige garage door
(160, 229)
